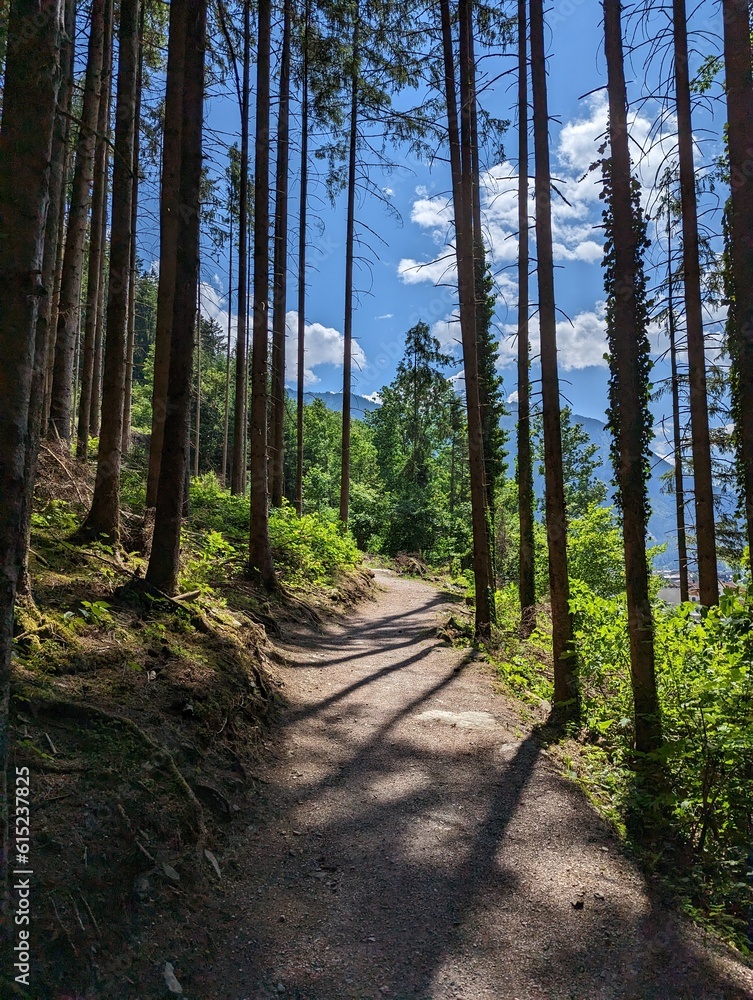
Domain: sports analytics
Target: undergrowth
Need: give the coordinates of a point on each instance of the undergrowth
(704, 811)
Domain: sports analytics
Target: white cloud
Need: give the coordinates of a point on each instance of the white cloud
(386, 316)
(581, 343)
(414, 272)
(374, 397)
(323, 346)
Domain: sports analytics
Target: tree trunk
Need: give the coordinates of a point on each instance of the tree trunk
(97, 237)
(483, 343)
(95, 410)
(104, 516)
(164, 561)
(64, 107)
(238, 468)
(169, 223)
(526, 574)
(737, 62)
(463, 207)
(73, 259)
(57, 196)
(682, 552)
(565, 684)
(699, 416)
(226, 419)
(277, 433)
(197, 425)
(302, 216)
(349, 255)
(259, 550)
(32, 79)
(131, 336)
(627, 396)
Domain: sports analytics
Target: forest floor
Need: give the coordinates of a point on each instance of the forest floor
(414, 839)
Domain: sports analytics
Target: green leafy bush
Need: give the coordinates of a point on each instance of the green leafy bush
(311, 548)
(704, 666)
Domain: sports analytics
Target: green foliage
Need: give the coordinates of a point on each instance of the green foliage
(643, 305)
(705, 679)
(55, 514)
(595, 551)
(308, 550)
(311, 548)
(579, 464)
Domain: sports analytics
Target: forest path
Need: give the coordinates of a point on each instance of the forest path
(408, 849)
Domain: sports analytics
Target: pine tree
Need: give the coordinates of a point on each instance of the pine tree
(629, 419)
(565, 685)
(164, 561)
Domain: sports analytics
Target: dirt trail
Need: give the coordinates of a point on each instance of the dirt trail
(413, 843)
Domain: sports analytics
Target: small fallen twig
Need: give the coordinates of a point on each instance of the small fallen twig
(91, 915)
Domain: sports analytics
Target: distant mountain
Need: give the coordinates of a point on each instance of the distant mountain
(662, 524)
(334, 400)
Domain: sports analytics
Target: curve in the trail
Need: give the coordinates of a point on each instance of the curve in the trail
(413, 841)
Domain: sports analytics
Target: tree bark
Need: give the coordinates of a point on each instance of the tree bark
(95, 410)
(565, 682)
(42, 342)
(164, 561)
(238, 467)
(703, 487)
(131, 335)
(104, 517)
(463, 206)
(302, 217)
(737, 62)
(32, 80)
(682, 552)
(526, 575)
(226, 419)
(69, 309)
(349, 255)
(627, 398)
(277, 432)
(169, 223)
(97, 239)
(259, 549)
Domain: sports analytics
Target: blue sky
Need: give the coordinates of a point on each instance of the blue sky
(412, 273)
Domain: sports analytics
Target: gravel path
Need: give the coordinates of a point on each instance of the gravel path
(413, 843)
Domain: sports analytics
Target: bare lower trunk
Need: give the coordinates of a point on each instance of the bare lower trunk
(164, 561)
(42, 340)
(169, 222)
(95, 410)
(97, 237)
(463, 208)
(277, 430)
(699, 416)
(737, 62)
(226, 419)
(238, 470)
(104, 516)
(565, 685)
(260, 551)
(69, 309)
(302, 216)
(32, 79)
(349, 254)
(131, 336)
(627, 396)
(526, 575)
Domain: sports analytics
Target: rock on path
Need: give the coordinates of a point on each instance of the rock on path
(414, 843)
